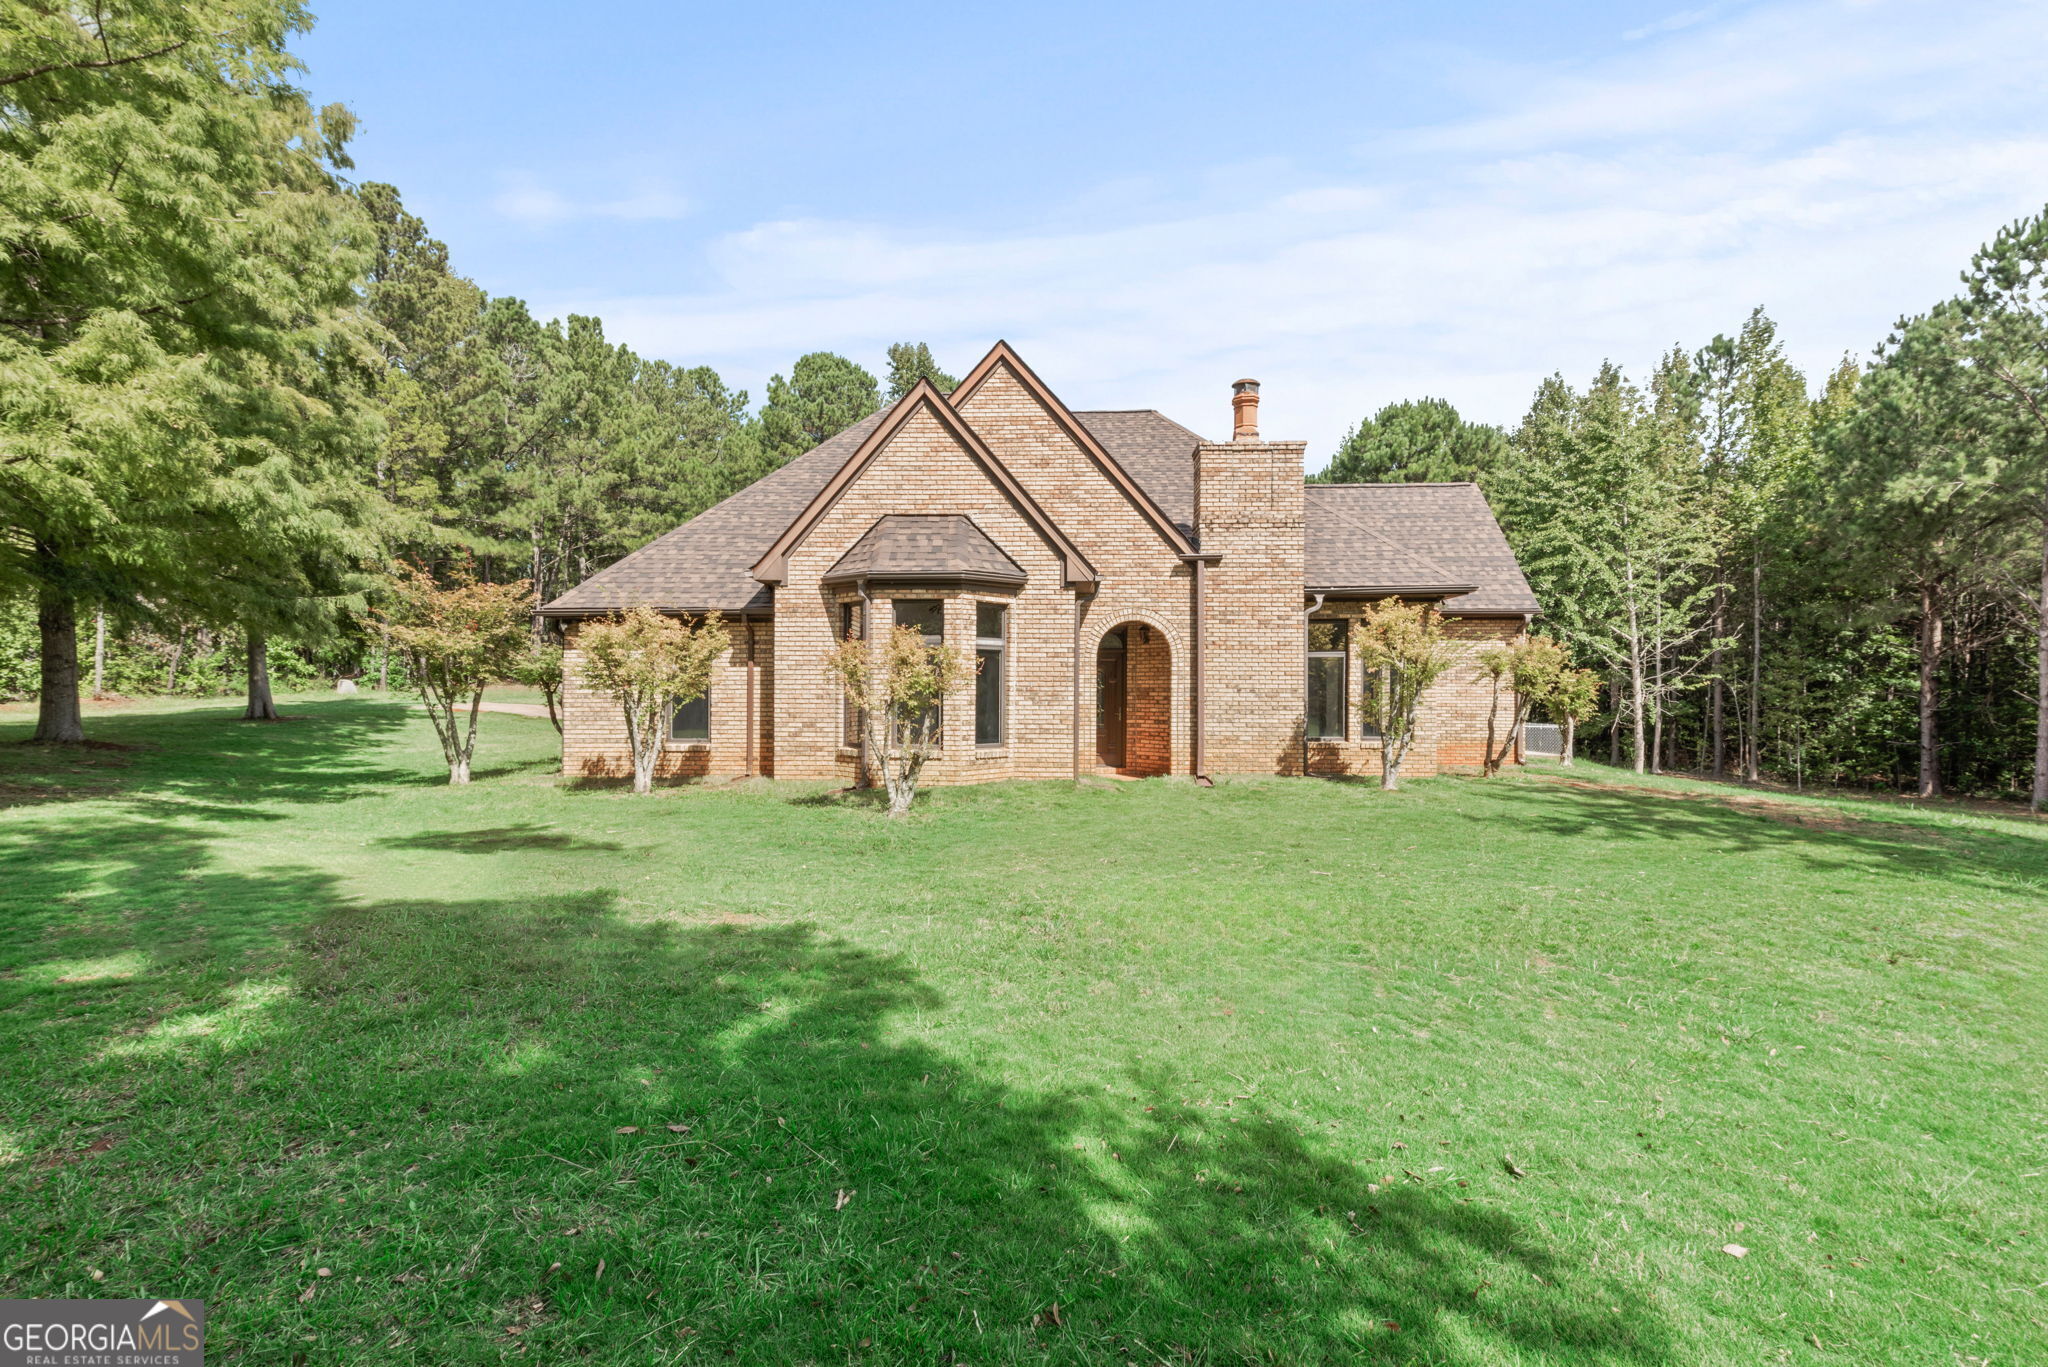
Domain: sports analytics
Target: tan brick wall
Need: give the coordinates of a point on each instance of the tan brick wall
(1142, 580)
(924, 470)
(594, 728)
(1248, 507)
(1451, 720)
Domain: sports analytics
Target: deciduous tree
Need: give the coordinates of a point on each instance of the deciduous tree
(457, 640)
(1526, 670)
(651, 664)
(1402, 651)
(898, 686)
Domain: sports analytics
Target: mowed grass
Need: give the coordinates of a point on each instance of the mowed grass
(1282, 1072)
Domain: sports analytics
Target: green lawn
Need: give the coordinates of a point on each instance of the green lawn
(388, 1072)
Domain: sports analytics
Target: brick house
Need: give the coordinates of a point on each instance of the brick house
(1141, 601)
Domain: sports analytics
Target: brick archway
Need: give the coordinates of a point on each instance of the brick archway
(1133, 713)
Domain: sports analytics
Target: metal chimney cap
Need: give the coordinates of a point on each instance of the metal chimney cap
(1240, 386)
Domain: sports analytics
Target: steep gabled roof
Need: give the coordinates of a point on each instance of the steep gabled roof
(922, 398)
(703, 564)
(1413, 538)
(1001, 355)
(925, 546)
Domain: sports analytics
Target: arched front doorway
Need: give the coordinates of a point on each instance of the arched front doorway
(1134, 701)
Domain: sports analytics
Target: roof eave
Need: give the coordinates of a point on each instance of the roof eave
(1391, 590)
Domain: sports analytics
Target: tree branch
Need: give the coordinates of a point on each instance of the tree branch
(46, 69)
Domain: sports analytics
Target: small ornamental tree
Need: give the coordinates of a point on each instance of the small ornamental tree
(1527, 669)
(1572, 698)
(1402, 650)
(540, 666)
(897, 685)
(455, 641)
(653, 664)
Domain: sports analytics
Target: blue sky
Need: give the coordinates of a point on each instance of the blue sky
(1353, 202)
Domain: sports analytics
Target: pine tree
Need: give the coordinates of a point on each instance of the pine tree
(1416, 441)
(910, 362)
(824, 394)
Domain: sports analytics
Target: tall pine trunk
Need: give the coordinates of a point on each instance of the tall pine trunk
(1753, 756)
(99, 652)
(2040, 796)
(261, 707)
(1718, 737)
(58, 721)
(1930, 658)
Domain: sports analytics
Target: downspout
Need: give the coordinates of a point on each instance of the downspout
(1199, 701)
(1074, 722)
(1313, 609)
(750, 699)
(867, 638)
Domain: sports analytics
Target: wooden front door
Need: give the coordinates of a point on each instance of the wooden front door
(1109, 701)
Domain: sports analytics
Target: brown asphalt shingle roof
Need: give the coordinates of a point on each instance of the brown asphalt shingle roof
(706, 563)
(1159, 453)
(1410, 537)
(1414, 535)
(925, 546)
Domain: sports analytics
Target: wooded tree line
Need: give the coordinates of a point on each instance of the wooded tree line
(1835, 580)
(236, 387)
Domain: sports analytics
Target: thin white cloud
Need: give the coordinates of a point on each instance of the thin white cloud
(1671, 23)
(526, 201)
(1474, 257)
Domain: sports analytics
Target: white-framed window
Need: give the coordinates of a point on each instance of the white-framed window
(1328, 679)
(991, 633)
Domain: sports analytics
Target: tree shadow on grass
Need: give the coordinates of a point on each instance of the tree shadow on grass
(209, 756)
(497, 840)
(560, 1126)
(1995, 859)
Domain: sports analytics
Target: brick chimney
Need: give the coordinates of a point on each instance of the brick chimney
(1248, 511)
(1244, 411)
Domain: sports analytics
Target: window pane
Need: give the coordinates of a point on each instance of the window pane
(988, 621)
(1326, 697)
(988, 698)
(692, 720)
(849, 622)
(1327, 635)
(1375, 683)
(928, 615)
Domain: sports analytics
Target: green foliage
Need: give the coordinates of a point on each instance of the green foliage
(1417, 441)
(824, 394)
(178, 348)
(910, 362)
(539, 667)
(456, 639)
